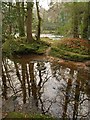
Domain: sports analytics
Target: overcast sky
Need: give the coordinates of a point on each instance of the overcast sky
(44, 3)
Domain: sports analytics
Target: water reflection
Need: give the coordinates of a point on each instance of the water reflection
(44, 87)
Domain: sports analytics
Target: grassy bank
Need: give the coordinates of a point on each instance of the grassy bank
(19, 46)
(71, 49)
(29, 116)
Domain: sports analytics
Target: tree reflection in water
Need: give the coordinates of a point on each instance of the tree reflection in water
(75, 99)
(47, 88)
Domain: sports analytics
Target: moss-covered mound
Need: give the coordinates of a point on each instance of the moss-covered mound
(21, 47)
(72, 49)
(19, 115)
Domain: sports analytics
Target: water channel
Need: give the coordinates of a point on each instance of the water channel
(50, 36)
(34, 84)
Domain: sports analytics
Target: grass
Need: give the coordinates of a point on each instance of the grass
(30, 116)
(71, 49)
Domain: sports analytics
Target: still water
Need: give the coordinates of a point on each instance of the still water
(36, 85)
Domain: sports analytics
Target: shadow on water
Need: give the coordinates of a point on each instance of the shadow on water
(38, 86)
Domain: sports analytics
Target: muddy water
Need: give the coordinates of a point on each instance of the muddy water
(34, 84)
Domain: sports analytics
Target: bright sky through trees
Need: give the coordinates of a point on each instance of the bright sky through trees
(44, 3)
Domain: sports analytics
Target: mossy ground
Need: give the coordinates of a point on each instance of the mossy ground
(71, 49)
(20, 47)
(30, 116)
(68, 48)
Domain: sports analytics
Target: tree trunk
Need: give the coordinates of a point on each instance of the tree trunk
(23, 84)
(20, 18)
(76, 99)
(39, 21)
(33, 82)
(4, 90)
(10, 24)
(75, 21)
(23, 28)
(28, 81)
(86, 22)
(67, 100)
(29, 22)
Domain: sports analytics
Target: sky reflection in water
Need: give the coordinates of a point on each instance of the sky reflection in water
(49, 88)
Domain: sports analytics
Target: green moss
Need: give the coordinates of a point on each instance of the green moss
(9, 47)
(31, 116)
(61, 53)
(17, 46)
(71, 49)
(40, 116)
(15, 115)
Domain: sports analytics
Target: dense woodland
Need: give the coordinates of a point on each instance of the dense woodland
(68, 19)
(23, 19)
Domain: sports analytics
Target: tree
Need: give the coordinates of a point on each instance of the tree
(86, 20)
(75, 20)
(10, 23)
(29, 22)
(7, 18)
(4, 84)
(20, 18)
(39, 21)
(23, 16)
(33, 83)
(23, 84)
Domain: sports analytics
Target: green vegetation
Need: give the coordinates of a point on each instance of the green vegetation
(31, 116)
(19, 46)
(20, 22)
(71, 49)
(67, 19)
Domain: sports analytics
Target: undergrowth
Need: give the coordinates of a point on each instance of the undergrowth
(30, 116)
(20, 47)
(68, 48)
(72, 49)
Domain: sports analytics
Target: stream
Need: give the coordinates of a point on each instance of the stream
(37, 85)
(50, 36)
